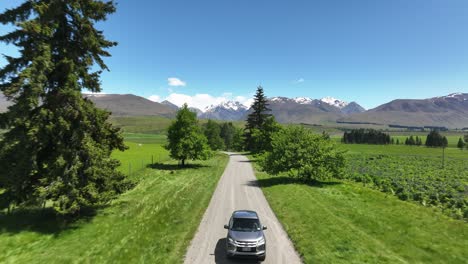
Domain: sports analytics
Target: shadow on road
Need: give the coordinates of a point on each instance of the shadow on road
(220, 255)
(248, 161)
(283, 180)
(240, 154)
(173, 167)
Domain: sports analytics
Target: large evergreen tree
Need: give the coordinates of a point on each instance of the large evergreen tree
(185, 138)
(58, 145)
(256, 119)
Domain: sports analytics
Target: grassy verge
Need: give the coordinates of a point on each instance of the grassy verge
(346, 223)
(153, 223)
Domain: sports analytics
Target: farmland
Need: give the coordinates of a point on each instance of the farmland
(153, 222)
(420, 179)
(396, 204)
(346, 222)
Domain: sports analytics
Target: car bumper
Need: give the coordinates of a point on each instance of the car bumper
(235, 251)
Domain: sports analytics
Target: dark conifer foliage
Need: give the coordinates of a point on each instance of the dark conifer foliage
(461, 143)
(366, 136)
(257, 118)
(435, 139)
(58, 145)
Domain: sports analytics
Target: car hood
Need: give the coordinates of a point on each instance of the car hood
(245, 236)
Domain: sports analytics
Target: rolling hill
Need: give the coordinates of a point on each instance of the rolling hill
(449, 111)
(130, 105)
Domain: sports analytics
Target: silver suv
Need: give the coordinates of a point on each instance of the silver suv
(245, 235)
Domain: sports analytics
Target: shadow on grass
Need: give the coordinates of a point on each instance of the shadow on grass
(41, 220)
(220, 255)
(174, 167)
(283, 180)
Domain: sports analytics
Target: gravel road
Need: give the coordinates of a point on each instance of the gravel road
(236, 190)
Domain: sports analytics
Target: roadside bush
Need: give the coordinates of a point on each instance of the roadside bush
(304, 155)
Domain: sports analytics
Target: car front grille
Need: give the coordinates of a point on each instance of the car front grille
(251, 249)
(246, 244)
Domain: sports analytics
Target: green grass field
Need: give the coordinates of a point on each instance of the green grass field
(152, 223)
(345, 222)
(153, 124)
(402, 150)
(141, 124)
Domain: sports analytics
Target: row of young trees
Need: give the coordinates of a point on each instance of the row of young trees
(366, 136)
(371, 136)
(413, 141)
(463, 142)
(435, 139)
(224, 136)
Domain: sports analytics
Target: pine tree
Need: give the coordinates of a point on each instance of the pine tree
(257, 118)
(58, 145)
(461, 143)
(444, 142)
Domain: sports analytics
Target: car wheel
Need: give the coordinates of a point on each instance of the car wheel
(262, 258)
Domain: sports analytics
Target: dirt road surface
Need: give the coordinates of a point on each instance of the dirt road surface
(237, 190)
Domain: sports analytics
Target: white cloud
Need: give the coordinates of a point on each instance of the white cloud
(300, 80)
(175, 82)
(201, 101)
(155, 98)
(244, 100)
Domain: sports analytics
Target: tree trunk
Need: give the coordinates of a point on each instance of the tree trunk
(183, 162)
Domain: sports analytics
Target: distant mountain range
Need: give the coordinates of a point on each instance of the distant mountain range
(448, 111)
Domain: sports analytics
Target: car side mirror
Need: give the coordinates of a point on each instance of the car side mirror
(226, 227)
(264, 228)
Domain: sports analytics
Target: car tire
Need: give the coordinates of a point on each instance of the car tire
(262, 258)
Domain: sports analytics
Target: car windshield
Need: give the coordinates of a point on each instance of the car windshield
(245, 225)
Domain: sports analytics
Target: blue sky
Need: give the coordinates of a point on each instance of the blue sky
(365, 51)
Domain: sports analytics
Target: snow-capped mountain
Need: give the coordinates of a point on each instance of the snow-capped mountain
(303, 100)
(229, 110)
(334, 102)
(324, 103)
(231, 105)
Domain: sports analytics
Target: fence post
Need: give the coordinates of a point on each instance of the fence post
(443, 157)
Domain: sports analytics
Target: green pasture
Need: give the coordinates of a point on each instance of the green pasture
(344, 222)
(152, 223)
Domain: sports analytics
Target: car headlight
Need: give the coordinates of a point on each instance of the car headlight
(232, 241)
(261, 241)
